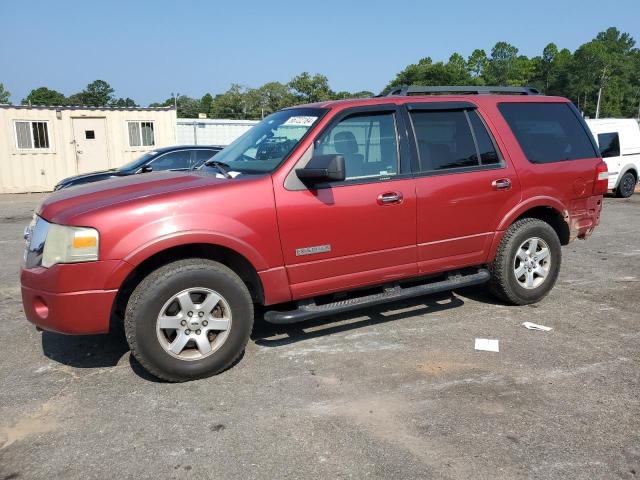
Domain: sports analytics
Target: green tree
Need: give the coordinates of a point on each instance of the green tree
(44, 96)
(75, 99)
(310, 89)
(230, 104)
(476, 63)
(124, 102)
(425, 72)
(4, 94)
(344, 95)
(188, 107)
(500, 66)
(97, 94)
(269, 98)
(545, 67)
(589, 67)
(205, 103)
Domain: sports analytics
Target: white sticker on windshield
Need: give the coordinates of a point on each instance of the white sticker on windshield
(301, 121)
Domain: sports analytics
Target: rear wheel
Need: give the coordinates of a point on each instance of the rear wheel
(189, 319)
(627, 185)
(527, 262)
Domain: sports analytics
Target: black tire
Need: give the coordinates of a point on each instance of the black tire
(504, 284)
(626, 186)
(152, 293)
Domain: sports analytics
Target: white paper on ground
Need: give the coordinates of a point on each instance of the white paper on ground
(535, 326)
(487, 345)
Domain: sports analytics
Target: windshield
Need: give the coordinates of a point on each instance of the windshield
(138, 162)
(262, 148)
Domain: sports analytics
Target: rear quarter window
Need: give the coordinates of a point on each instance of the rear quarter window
(548, 132)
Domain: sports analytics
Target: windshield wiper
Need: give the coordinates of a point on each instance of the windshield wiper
(220, 166)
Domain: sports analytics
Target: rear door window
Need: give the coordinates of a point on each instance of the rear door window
(452, 139)
(609, 144)
(548, 132)
(486, 148)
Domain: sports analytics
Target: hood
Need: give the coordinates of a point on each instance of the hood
(65, 204)
(89, 177)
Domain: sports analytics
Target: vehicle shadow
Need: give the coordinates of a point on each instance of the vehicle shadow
(270, 335)
(102, 351)
(91, 351)
(85, 351)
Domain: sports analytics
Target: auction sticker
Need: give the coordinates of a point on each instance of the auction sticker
(301, 121)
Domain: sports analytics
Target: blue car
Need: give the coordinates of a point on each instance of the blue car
(180, 157)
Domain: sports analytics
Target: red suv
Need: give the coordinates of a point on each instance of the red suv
(316, 210)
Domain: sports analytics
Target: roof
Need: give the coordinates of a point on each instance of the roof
(82, 107)
(473, 98)
(180, 147)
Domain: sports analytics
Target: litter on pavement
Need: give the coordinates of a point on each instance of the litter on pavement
(535, 326)
(487, 345)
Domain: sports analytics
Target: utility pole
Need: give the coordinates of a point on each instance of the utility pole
(603, 79)
(175, 100)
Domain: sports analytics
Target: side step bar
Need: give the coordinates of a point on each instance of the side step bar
(310, 309)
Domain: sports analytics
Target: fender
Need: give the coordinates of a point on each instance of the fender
(625, 169)
(176, 239)
(528, 204)
(157, 245)
(513, 214)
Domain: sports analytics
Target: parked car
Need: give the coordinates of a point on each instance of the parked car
(316, 210)
(619, 143)
(179, 157)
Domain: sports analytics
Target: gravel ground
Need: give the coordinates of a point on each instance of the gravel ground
(390, 392)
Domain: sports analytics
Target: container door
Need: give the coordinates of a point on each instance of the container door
(90, 139)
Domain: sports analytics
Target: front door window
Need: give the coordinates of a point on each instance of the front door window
(368, 143)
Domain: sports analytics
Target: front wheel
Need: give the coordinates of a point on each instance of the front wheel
(189, 319)
(627, 185)
(527, 262)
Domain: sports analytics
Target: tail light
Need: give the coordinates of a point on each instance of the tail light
(601, 185)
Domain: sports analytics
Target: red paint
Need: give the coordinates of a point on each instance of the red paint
(437, 223)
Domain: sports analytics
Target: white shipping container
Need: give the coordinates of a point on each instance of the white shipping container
(41, 145)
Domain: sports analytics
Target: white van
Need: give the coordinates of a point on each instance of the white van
(619, 142)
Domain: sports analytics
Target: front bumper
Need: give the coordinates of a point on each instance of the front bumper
(74, 313)
(75, 298)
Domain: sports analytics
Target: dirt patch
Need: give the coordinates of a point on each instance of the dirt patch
(441, 368)
(42, 421)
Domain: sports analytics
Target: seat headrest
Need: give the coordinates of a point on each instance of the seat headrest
(345, 143)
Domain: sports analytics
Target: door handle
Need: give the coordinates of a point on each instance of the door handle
(389, 198)
(501, 184)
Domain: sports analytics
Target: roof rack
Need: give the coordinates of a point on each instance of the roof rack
(459, 90)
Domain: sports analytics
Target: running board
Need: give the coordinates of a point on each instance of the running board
(310, 309)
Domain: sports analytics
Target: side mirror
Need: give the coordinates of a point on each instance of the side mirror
(146, 169)
(322, 168)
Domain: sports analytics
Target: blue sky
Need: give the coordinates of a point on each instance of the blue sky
(148, 49)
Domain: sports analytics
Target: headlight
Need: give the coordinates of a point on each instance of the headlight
(70, 245)
(48, 244)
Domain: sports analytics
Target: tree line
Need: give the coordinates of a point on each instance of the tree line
(609, 65)
(609, 62)
(97, 94)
